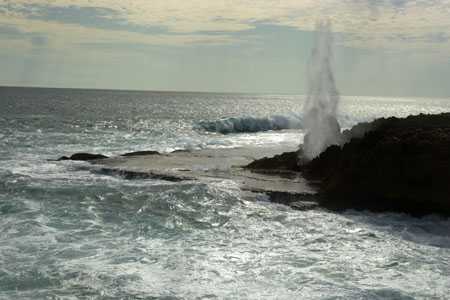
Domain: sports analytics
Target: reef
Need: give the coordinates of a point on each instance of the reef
(390, 164)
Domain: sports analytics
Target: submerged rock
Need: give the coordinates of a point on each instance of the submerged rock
(140, 153)
(131, 175)
(83, 157)
(296, 201)
(392, 164)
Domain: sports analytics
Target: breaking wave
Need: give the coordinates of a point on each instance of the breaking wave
(251, 124)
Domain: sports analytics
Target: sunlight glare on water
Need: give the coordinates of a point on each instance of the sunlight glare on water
(68, 231)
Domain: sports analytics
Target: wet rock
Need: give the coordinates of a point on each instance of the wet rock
(287, 161)
(399, 165)
(83, 157)
(140, 153)
(133, 175)
(296, 201)
(392, 164)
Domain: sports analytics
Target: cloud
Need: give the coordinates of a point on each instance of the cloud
(63, 36)
(15, 38)
(392, 24)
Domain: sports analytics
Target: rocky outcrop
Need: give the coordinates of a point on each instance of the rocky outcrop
(389, 164)
(287, 161)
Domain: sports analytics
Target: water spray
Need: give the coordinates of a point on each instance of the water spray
(320, 108)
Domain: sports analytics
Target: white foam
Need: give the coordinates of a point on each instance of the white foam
(320, 108)
(249, 124)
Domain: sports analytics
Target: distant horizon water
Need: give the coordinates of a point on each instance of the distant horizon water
(213, 92)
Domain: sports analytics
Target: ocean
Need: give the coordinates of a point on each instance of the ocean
(68, 231)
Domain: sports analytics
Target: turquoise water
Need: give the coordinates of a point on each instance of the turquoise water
(69, 232)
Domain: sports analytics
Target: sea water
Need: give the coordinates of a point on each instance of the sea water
(70, 232)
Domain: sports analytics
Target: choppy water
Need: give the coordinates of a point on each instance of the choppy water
(68, 232)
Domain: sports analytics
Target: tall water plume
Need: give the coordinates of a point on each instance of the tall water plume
(320, 108)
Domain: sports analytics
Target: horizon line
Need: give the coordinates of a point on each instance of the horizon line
(205, 92)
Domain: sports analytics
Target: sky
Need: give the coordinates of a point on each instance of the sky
(382, 47)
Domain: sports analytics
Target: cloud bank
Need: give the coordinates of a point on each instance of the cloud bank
(392, 24)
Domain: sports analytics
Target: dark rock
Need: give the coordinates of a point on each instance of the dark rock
(399, 165)
(296, 201)
(392, 164)
(132, 175)
(84, 157)
(287, 161)
(141, 153)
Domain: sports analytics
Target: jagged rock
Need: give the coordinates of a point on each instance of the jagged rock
(83, 157)
(400, 165)
(287, 161)
(387, 165)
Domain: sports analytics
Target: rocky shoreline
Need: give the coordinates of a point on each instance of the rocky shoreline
(393, 164)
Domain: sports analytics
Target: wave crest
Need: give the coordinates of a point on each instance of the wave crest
(250, 124)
